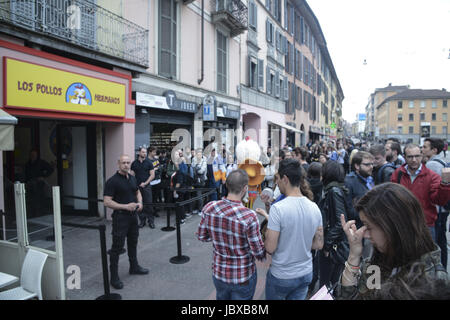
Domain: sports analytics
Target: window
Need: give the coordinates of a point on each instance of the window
(444, 103)
(444, 117)
(399, 129)
(444, 130)
(260, 75)
(433, 104)
(433, 117)
(400, 104)
(400, 117)
(269, 32)
(411, 104)
(253, 15)
(270, 82)
(422, 116)
(253, 72)
(221, 62)
(411, 130)
(168, 38)
(411, 117)
(422, 104)
(433, 130)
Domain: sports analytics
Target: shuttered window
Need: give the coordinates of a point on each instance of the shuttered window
(168, 38)
(221, 62)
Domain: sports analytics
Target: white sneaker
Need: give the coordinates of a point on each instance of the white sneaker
(175, 195)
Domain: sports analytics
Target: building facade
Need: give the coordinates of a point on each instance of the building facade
(414, 114)
(375, 99)
(288, 76)
(67, 72)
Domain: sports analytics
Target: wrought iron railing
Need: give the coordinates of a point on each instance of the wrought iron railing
(235, 8)
(82, 23)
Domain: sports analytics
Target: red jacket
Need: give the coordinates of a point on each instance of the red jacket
(427, 188)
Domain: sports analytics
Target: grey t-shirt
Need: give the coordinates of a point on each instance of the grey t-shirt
(297, 220)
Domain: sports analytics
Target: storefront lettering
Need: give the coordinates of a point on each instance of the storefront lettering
(40, 88)
(107, 99)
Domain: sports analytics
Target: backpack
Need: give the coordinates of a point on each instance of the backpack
(380, 171)
(445, 165)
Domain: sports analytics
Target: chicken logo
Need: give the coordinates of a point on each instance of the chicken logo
(78, 93)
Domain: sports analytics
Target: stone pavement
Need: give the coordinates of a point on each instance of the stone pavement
(165, 281)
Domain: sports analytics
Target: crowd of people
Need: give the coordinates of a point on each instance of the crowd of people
(334, 210)
(337, 210)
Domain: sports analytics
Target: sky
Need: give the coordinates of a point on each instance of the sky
(404, 42)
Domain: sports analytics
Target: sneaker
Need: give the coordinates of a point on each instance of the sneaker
(182, 221)
(188, 215)
(175, 195)
(195, 211)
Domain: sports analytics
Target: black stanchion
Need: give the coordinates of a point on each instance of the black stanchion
(168, 227)
(108, 295)
(179, 258)
(102, 229)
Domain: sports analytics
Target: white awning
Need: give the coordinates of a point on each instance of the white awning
(7, 123)
(287, 127)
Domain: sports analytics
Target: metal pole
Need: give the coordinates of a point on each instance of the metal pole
(179, 259)
(168, 227)
(108, 295)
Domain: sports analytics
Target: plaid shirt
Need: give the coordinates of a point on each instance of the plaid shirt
(234, 231)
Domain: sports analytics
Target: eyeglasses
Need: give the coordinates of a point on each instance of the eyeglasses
(417, 156)
(367, 164)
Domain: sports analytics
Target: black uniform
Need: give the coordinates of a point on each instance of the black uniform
(142, 172)
(123, 190)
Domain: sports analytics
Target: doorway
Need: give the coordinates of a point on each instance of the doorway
(66, 157)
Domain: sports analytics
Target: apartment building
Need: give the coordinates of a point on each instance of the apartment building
(289, 75)
(189, 95)
(414, 114)
(375, 99)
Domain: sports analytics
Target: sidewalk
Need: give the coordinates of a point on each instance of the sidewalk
(165, 281)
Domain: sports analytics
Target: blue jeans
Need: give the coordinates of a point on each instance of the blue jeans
(230, 291)
(433, 233)
(287, 289)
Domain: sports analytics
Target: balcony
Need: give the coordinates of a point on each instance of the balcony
(79, 24)
(233, 14)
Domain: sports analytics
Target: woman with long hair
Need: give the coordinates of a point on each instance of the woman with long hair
(335, 249)
(394, 223)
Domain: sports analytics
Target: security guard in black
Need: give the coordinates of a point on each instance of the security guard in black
(122, 195)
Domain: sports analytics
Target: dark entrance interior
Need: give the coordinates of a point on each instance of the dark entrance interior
(67, 151)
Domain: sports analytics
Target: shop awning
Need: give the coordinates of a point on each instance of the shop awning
(287, 127)
(7, 123)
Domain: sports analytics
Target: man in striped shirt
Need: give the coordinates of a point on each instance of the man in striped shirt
(234, 231)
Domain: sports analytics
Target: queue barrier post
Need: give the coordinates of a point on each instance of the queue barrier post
(102, 230)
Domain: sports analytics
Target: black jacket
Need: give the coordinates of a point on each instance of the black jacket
(316, 188)
(356, 189)
(332, 205)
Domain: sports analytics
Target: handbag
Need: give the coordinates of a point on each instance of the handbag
(339, 253)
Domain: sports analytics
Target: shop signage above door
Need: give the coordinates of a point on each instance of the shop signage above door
(33, 86)
(209, 110)
(225, 111)
(169, 102)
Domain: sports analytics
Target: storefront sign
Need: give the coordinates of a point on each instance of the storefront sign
(225, 111)
(151, 101)
(169, 102)
(33, 86)
(209, 112)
